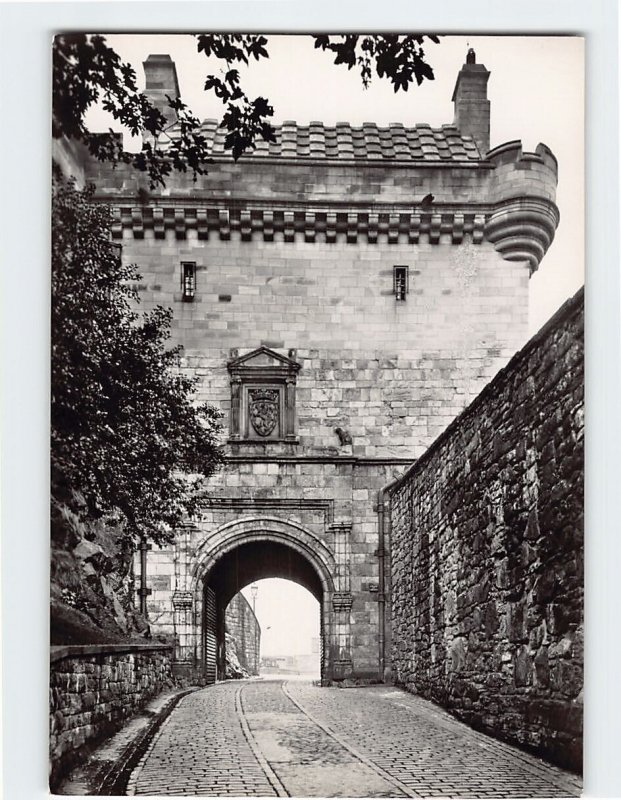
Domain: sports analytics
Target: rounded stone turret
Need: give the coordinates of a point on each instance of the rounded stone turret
(523, 190)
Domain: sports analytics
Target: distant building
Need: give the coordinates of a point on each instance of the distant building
(302, 664)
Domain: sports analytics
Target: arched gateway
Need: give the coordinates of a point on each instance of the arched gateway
(241, 552)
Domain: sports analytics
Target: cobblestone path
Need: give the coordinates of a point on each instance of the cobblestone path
(426, 749)
(276, 738)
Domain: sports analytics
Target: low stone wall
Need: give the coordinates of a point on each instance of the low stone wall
(487, 553)
(93, 689)
(243, 627)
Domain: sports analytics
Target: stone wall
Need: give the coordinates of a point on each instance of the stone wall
(487, 553)
(288, 256)
(93, 689)
(465, 315)
(244, 629)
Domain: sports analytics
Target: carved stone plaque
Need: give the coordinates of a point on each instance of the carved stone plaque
(262, 397)
(263, 410)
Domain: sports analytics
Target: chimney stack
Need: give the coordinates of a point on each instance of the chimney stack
(161, 75)
(471, 103)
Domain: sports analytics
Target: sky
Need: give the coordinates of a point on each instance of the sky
(536, 89)
(288, 615)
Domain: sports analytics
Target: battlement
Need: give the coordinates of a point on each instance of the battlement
(522, 187)
(342, 183)
(513, 153)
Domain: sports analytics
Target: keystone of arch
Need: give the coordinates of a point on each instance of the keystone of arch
(269, 529)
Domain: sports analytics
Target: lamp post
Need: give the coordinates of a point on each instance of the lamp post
(254, 591)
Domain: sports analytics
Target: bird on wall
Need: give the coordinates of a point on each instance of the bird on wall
(143, 197)
(427, 201)
(344, 436)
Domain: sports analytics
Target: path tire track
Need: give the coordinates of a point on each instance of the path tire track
(252, 742)
(407, 791)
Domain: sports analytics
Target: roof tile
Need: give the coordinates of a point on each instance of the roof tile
(342, 141)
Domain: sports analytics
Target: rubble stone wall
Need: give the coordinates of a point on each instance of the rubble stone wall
(244, 628)
(487, 553)
(93, 689)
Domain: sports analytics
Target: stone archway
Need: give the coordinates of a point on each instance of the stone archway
(251, 548)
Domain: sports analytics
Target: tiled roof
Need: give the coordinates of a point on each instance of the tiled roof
(345, 141)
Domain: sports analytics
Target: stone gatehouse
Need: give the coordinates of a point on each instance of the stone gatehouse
(342, 294)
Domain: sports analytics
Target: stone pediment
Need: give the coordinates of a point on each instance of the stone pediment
(262, 359)
(262, 395)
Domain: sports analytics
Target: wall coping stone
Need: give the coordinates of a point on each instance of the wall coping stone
(569, 307)
(59, 652)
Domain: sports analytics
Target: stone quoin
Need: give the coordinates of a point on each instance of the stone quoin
(342, 294)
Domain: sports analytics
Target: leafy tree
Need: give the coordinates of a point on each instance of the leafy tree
(400, 59)
(126, 433)
(86, 71)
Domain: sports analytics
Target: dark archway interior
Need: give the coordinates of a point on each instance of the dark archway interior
(261, 559)
(246, 564)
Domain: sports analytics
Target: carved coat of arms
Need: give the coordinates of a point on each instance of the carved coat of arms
(263, 410)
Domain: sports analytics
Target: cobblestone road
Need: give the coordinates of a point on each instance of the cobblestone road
(275, 738)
